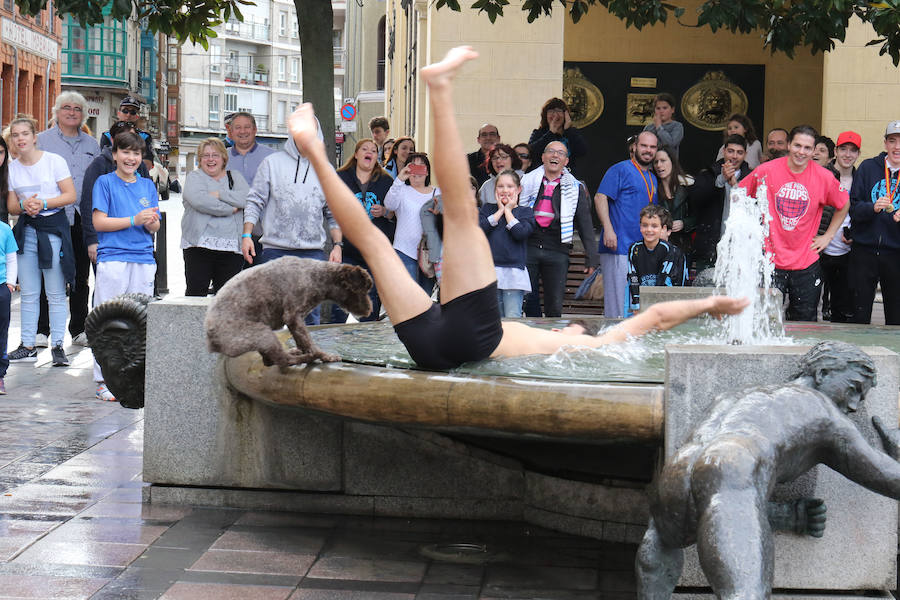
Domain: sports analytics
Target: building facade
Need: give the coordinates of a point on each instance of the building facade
(617, 70)
(102, 63)
(364, 82)
(252, 66)
(30, 70)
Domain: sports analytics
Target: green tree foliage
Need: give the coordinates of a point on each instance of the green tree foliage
(187, 20)
(784, 25)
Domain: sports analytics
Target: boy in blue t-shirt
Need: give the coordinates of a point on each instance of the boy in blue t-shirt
(126, 215)
(8, 275)
(653, 261)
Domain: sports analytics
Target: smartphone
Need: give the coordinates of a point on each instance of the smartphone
(416, 169)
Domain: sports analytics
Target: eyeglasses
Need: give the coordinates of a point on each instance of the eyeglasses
(557, 111)
(489, 134)
(210, 156)
(68, 108)
(523, 155)
(128, 111)
(556, 152)
(500, 155)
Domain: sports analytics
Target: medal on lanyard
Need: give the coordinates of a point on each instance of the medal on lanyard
(887, 186)
(649, 185)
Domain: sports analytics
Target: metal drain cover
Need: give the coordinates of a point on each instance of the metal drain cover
(461, 552)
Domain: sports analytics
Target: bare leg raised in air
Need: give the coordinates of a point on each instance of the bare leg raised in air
(467, 263)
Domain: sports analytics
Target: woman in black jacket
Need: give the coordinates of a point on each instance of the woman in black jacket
(370, 183)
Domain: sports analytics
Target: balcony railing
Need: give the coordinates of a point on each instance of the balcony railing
(247, 29)
(246, 77)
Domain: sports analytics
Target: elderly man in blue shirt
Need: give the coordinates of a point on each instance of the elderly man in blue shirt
(245, 155)
(67, 139)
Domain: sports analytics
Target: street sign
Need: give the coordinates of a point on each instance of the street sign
(348, 112)
(348, 126)
(338, 137)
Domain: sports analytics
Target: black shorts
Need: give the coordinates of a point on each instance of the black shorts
(445, 336)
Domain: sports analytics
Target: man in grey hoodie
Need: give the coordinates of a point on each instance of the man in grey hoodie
(287, 199)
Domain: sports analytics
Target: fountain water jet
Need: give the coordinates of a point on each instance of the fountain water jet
(745, 267)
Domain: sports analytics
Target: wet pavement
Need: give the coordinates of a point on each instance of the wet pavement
(72, 525)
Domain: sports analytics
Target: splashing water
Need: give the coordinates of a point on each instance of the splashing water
(744, 268)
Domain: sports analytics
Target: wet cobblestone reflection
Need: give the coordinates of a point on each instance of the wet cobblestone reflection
(72, 525)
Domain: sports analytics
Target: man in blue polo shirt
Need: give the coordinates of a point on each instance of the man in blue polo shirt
(626, 188)
(245, 155)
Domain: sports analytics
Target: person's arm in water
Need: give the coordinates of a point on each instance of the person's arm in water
(667, 315)
(520, 339)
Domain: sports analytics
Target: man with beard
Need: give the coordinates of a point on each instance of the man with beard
(626, 188)
(798, 189)
(561, 204)
(711, 188)
(776, 143)
(488, 137)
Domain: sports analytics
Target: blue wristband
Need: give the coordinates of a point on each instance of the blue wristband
(45, 205)
(132, 221)
(21, 205)
(246, 235)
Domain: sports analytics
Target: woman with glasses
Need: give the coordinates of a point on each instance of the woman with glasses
(556, 126)
(523, 151)
(214, 199)
(465, 325)
(501, 158)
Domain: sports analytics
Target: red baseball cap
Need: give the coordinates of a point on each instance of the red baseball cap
(849, 137)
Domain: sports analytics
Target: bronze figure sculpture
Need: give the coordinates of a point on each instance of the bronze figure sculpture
(714, 490)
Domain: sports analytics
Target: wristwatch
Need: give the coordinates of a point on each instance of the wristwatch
(341, 244)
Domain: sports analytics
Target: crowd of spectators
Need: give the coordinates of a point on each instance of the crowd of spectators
(834, 236)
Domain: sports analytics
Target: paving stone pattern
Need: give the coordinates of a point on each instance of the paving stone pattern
(72, 525)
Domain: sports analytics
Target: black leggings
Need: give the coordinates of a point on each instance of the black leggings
(202, 265)
(466, 329)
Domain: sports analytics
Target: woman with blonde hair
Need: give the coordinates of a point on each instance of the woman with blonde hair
(40, 187)
(214, 200)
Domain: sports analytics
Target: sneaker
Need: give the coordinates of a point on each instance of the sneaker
(23, 354)
(2, 387)
(103, 393)
(81, 340)
(59, 356)
(41, 341)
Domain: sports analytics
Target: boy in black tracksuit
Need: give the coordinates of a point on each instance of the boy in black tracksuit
(875, 226)
(653, 260)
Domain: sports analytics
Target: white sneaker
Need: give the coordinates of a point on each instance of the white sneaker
(103, 393)
(41, 341)
(81, 340)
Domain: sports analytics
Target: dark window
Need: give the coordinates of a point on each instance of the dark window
(379, 67)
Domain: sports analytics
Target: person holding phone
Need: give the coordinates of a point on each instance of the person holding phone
(410, 191)
(465, 325)
(556, 126)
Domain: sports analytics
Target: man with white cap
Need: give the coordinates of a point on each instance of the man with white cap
(798, 189)
(875, 226)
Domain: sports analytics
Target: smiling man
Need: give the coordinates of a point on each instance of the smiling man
(78, 149)
(798, 190)
(875, 219)
(626, 188)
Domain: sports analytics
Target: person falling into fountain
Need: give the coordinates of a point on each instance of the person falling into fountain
(465, 325)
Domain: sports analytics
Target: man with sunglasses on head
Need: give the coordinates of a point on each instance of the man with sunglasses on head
(130, 112)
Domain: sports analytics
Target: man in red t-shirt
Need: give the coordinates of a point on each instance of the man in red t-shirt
(798, 189)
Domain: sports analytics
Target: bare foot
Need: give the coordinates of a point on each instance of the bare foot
(441, 73)
(303, 126)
